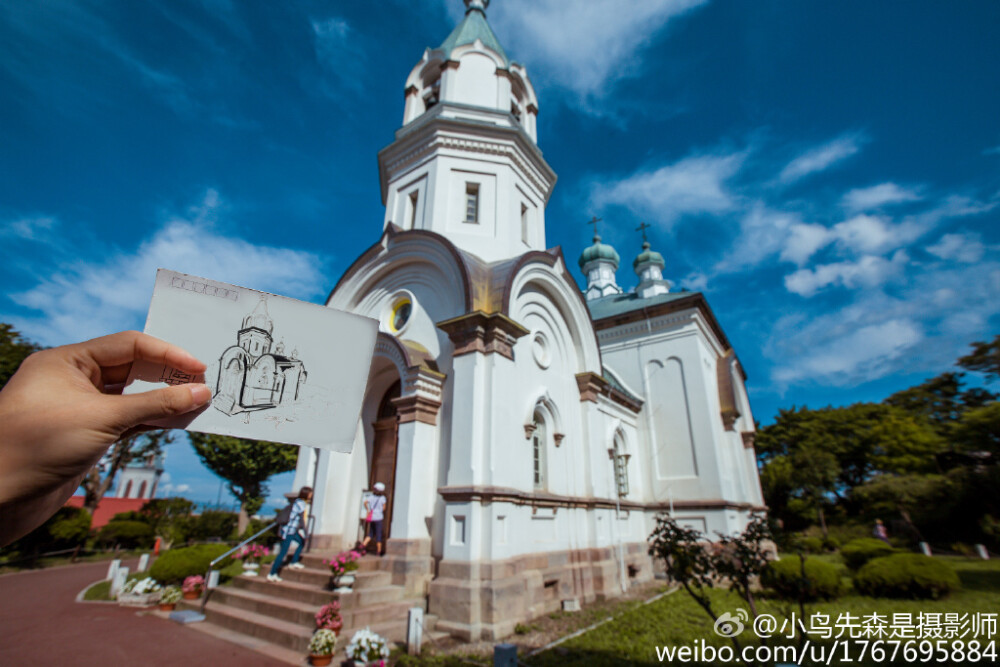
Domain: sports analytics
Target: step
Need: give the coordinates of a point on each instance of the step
(322, 578)
(315, 560)
(288, 590)
(299, 613)
(276, 631)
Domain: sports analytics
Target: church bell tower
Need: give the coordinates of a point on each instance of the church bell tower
(465, 163)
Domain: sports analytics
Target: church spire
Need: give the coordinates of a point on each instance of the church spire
(649, 267)
(599, 263)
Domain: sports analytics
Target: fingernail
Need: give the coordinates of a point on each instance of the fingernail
(200, 394)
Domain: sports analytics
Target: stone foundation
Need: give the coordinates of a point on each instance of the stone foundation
(485, 600)
(410, 563)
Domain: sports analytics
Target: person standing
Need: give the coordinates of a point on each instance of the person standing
(880, 532)
(293, 532)
(376, 508)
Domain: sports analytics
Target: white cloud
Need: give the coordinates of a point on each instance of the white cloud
(862, 352)
(803, 241)
(868, 271)
(866, 199)
(182, 488)
(968, 249)
(820, 158)
(337, 50)
(83, 299)
(29, 229)
(762, 231)
(583, 47)
(694, 184)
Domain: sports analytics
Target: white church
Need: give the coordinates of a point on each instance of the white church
(527, 432)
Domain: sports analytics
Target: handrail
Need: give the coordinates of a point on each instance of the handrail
(211, 566)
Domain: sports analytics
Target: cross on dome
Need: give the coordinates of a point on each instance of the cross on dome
(642, 228)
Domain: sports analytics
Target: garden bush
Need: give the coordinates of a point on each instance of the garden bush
(127, 534)
(784, 578)
(858, 552)
(70, 527)
(831, 543)
(813, 545)
(912, 576)
(176, 564)
(211, 524)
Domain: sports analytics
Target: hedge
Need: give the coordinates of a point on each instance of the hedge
(858, 552)
(912, 576)
(176, 564)
(784, 578)
(128, 534)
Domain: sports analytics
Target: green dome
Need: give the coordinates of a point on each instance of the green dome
(599, 251)
(648, 256)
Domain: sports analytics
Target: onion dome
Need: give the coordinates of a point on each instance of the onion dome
(600, 251)
(648, 256)
(259, 318)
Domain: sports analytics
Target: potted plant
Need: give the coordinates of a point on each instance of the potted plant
(193, 587)
(139, 593)
(169, 598)
(251, 556)
(328, 617)
(321, 647)
(368, 648)
(341, 566)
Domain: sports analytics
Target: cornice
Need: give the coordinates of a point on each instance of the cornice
(483, 333)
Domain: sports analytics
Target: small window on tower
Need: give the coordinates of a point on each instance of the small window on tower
(524, 223)
(412, 217)
(515, 111)
(472, 203)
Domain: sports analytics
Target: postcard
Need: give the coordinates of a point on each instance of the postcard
(279, 369)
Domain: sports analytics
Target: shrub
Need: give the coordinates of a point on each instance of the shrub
(177, 564)
(70, 526)
(813, 545)
(858, 552)
(211, 524)
(913, 576)
(784, 577)
(831, 543)
(128, 534)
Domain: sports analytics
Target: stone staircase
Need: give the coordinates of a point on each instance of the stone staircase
(283, 613)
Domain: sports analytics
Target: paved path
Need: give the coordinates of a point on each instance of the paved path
(41, 623)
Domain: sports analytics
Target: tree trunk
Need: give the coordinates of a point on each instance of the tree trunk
(822, 521)
(244, 519)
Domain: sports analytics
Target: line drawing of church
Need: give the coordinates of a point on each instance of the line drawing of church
(252, 377)
(527, 432)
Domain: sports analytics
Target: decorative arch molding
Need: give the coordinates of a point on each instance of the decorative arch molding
(546, 273)
(416, 244)
(422, 383)
(543, 403)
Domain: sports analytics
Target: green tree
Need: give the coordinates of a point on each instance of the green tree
(14, 349)
(912, 497)
(941, 400)
(984, 358)
(168, 518)
(246, 465)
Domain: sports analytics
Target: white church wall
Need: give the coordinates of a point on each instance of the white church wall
(475, 81)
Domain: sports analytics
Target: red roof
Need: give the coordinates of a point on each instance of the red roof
(108, 507)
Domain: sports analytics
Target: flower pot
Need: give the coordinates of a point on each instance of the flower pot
(318, 660)
(192, 595)
(168, 606)
(250, 569)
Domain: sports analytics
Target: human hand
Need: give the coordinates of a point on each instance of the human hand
(61, 411)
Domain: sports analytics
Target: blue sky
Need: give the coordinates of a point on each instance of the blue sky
(827, 173)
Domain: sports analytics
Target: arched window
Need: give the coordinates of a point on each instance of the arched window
(621, 465)
(538, 439)
(142, 490)
(128, 489)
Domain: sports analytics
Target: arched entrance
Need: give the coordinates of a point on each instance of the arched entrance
(383, 468)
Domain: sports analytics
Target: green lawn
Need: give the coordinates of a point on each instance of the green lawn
(677, 620)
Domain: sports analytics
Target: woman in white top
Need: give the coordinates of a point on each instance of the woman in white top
(376, 508)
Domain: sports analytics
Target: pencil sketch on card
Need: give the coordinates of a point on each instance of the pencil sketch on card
(260, 389)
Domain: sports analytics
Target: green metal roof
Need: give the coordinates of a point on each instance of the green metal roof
(616, 304)
(647, 256)
(613, 381)
(599, 251)
(473, 27)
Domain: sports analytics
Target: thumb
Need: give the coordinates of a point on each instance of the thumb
(136, 409)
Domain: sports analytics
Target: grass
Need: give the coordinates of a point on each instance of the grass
(677, 620)
(100, 592)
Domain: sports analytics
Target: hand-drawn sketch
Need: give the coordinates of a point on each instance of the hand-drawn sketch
(250, 376)
(259, 390)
